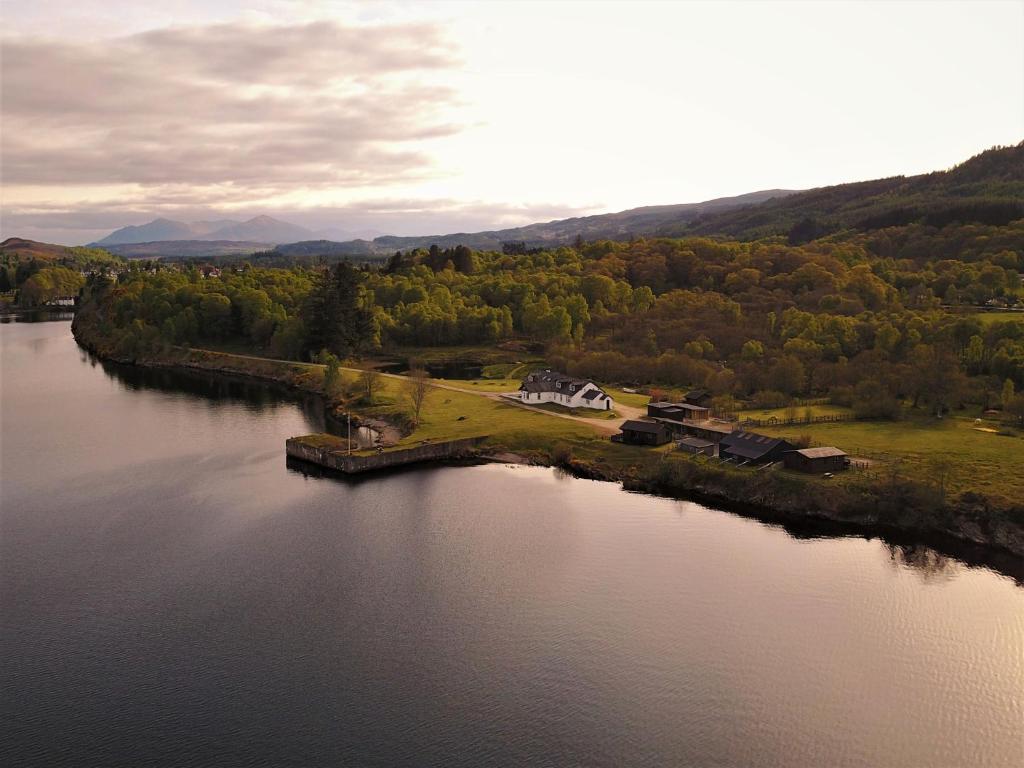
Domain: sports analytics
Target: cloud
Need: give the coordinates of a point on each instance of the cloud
(228, 110)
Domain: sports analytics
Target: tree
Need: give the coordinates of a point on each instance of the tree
(334, 313)
(369, 381)
(332, 376)
(1015, 409)
(1008, 391)
(417, 388)
(752, 350)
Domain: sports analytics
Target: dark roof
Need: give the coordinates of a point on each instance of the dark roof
(694, 442)
(820, 453)
(591, 394)
(749, 445)
(634, 425)
(551, 381)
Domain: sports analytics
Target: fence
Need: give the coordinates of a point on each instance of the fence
(774, 421)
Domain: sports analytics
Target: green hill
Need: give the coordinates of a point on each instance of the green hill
(987, 189)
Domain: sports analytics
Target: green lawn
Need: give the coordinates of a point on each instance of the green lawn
(987, 318)
(484, 385)
(782, 413)
(986, 462)
(628, 398)
(508, 425)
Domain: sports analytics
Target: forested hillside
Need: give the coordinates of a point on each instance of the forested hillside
(986, 189)
(41, 272)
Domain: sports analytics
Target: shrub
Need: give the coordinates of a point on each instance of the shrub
(561, 453)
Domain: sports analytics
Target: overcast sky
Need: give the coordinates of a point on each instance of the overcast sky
(425, 118)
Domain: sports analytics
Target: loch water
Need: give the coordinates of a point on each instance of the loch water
(173, 594)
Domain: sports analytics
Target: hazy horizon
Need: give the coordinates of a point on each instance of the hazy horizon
(415, 119)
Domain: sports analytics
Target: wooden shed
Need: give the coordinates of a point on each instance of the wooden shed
(816, 460)
(696, 445)
(636, 432)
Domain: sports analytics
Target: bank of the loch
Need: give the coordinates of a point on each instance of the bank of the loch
(900, 506)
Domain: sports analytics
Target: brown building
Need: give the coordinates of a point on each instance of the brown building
(700, 397)
(816, 460)
(635, 432)
(696, 445)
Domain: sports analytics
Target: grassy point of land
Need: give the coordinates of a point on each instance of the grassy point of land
(983, 461)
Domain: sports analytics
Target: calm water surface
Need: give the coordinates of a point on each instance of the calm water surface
(173, 594)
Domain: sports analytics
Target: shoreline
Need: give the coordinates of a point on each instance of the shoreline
(966, 531)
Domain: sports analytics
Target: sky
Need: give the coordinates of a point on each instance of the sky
(434, 117)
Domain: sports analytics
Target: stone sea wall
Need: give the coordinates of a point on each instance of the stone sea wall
(338, 459)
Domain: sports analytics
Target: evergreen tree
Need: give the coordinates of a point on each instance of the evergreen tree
(335, 317)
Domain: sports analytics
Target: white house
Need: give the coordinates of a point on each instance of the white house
(549, 386)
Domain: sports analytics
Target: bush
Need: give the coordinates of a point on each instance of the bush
(561, 453)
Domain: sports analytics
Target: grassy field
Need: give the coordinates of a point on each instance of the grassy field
(448, 415)
(981, 461)
(782, 413)
(483, 385)
(987, 318)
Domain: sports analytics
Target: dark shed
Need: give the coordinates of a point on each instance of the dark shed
(637, 432)
(816, 460)
(701, 397)
(696, 445)
(741, 446)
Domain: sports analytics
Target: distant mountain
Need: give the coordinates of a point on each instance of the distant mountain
(261, 229)
(158, 229)
(635, 222)
(986, 189)
(207, 227)
(337, 234)
(187, 249)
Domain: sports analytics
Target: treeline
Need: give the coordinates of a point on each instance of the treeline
(22, 260)
(864, 319)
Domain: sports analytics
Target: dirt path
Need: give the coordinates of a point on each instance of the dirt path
(605, 426)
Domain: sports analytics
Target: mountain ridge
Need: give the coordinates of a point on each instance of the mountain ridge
(259, 229)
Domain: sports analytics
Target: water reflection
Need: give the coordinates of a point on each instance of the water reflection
(214, 388)
(171, 594)
(931, 565)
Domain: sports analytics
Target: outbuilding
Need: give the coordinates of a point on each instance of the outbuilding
(677, 412)
(636, 432)
(816, 460)
(696, 446)
(745, 447)
(700, 397)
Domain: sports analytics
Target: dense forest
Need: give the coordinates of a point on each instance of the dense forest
(868, 319)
